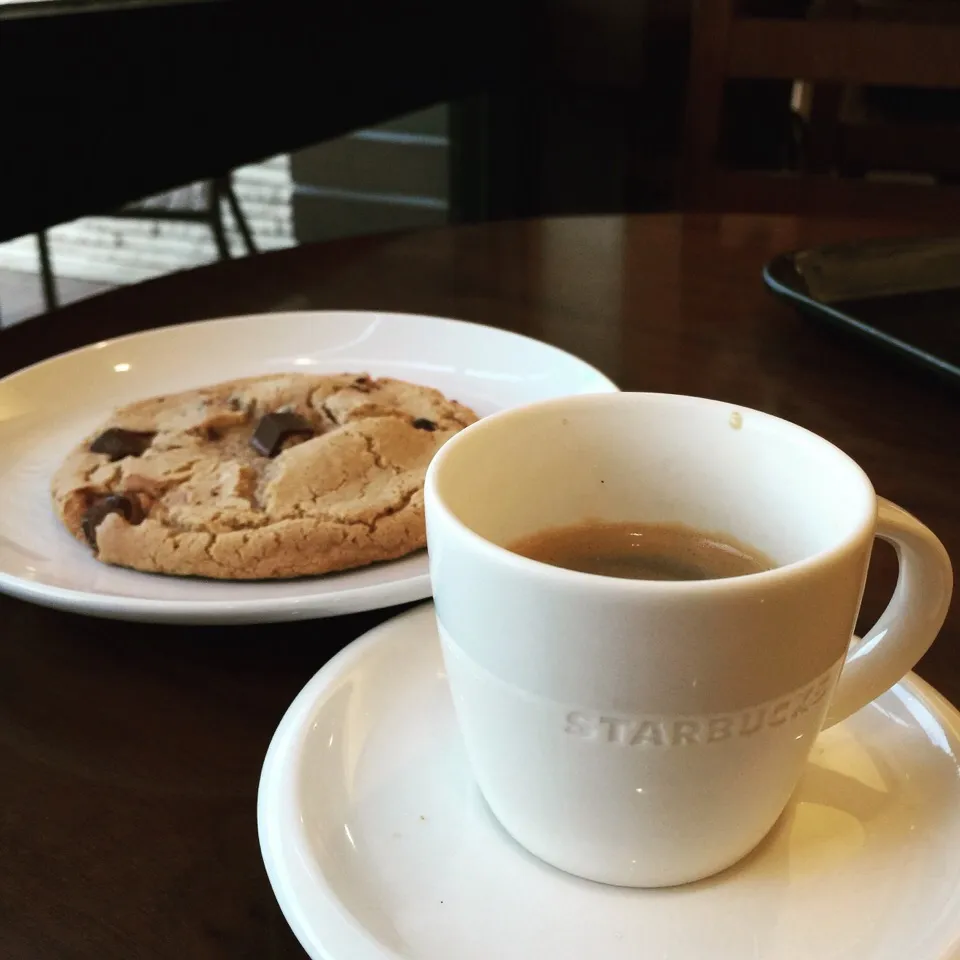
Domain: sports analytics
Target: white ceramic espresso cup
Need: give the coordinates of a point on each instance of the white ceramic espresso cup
(647, 733)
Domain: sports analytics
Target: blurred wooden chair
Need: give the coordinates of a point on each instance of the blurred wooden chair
(840, 46)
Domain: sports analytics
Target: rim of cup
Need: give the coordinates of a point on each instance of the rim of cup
(578, 579)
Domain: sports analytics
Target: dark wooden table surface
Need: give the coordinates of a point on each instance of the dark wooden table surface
(129, 754)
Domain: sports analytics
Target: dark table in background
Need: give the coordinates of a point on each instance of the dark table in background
(556, 106)
(107, 101)
(130, 753)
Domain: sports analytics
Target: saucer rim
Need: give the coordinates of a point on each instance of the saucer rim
(276, 803)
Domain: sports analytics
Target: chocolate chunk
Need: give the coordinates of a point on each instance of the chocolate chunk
(100, 509)
(118, 443)
(422, 423)
(274, 428)
(363, 384)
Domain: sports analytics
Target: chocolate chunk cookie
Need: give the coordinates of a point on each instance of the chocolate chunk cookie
(269, 477)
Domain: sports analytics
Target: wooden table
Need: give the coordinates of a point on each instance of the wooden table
(129, 754)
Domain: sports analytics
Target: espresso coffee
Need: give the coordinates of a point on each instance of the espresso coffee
(643, 551)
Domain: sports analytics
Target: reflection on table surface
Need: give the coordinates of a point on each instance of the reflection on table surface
(11, 8)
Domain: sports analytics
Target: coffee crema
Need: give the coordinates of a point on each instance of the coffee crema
(643, 551)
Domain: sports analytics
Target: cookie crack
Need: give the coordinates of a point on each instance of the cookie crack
(392, 510)
(324, 516)
(107, 484)
(300, 512)
(301, 509)
(221, 517)
(374, 451)
(208, 549)
(327, 412)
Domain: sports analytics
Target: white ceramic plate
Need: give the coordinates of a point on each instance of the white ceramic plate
(47, 408)
(379, 845)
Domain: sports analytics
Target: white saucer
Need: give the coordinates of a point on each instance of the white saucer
(379, 845)
(46, 409)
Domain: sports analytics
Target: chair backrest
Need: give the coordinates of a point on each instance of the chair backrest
(832, 50)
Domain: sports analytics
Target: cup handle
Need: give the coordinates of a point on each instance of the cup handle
(910, 623)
